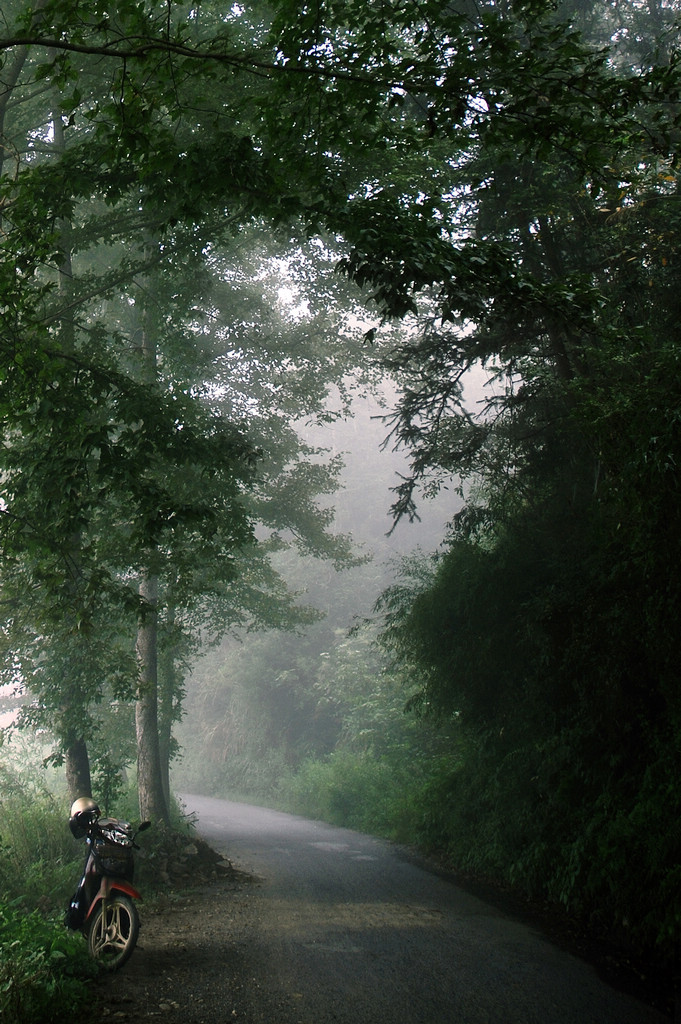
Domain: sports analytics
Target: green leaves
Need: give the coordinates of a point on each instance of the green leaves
(43, 970)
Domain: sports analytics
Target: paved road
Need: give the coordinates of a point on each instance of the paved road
(343, 928)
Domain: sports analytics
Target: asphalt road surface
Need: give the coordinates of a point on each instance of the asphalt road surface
(344, 928)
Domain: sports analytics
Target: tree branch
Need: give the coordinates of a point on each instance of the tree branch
(147, 46)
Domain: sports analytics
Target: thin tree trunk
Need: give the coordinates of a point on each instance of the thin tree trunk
(77, 761)
(12, 67)
(152, 801)
(168, 688)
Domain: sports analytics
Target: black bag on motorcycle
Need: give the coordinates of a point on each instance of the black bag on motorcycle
(75, 914)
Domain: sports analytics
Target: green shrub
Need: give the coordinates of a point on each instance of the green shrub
(38, 855)
(355, 790)
(603, 846)
(242, 776)
(44, 969)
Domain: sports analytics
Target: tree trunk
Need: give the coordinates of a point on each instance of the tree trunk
(168, 687)
(152, 802)
(76, 758)
(171, 692)
(77, 766)
(150, 777)
(165, 740)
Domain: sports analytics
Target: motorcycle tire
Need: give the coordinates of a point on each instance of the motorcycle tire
(113, 932)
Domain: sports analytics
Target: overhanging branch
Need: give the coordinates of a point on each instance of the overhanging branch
(128, 49)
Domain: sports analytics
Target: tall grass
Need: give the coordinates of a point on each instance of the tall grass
(38, 855)
(358, 791)
(44, 970)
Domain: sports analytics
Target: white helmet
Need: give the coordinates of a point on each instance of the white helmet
(84, 813)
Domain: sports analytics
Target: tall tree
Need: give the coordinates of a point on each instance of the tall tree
(130, 430)
(542, 631)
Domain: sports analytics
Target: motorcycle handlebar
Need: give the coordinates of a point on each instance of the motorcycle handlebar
(96, 828)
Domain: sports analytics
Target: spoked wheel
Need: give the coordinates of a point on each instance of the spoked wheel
(113, 931)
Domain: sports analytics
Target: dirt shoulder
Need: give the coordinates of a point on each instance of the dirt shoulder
(187, 966)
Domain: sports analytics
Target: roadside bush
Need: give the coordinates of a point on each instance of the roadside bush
(355, 790)
(44, 969)
(530, 817)
(243, 775)
(38, 856)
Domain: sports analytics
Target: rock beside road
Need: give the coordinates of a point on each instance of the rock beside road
(175, 860)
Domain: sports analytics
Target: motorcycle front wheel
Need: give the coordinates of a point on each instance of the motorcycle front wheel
(113, 932)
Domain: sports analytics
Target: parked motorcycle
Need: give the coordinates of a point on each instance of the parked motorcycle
(102, 906)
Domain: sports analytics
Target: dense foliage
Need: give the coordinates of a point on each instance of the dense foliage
(545, 629)
(44, 971)
(146, 422)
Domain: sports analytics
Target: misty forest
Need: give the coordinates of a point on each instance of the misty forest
(340, 396)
